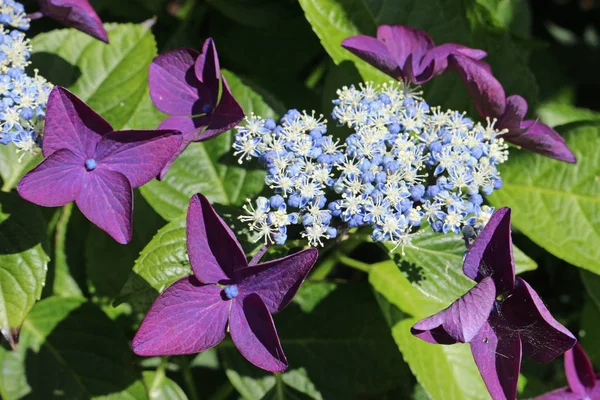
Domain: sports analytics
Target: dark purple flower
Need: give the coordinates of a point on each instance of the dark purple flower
(491, 101)
(501, 317)
(407, 53)
(78, 14)
(224, 294)
(89, 163)
(583, 382)
(185, 84)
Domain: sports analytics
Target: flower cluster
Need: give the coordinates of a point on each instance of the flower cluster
(22, 98)
(403, 164)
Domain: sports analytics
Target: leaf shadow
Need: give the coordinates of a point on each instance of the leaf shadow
(411, 271)
(22, 225)
(55, 69)
(84, 356)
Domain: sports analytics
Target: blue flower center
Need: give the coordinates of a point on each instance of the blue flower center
(90, 164)
(231, 291)
(206, 108)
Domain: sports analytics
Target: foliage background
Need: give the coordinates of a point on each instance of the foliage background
(347, 333)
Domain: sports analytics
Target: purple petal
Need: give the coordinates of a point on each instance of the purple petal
(174, 88)
(579, 370)
(486, 91)
(226, 116)
(374, 52)
(404, 41)
(497, 353)
(253, 332)
(189, 127)
(543, 337)
(78, 14)
(462, 320)
(187, 318)
(214, 251)
(55, 182)
(542, 139)
(106, 199)
(491, 253)
(516, 109)
(72, 124)
(561, 394)
(277, 281)
(208, 70)
(139, 155)
(438, 56)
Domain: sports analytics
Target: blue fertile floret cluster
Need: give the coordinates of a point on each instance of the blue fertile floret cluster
(403, 164)
(22, 98)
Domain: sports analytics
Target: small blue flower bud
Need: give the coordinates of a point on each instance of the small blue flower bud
(27, 113)
(476, 199)
(498, 183)
(332, 233)
(432, 191)
(276, 201)
(417, 192)
(294, 201)
(270, 124)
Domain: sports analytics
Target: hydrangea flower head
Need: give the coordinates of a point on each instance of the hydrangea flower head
(13, 14)
(78, 14)
(491, 101)
(22, 97)
(407, 53)
(224, 294)
(189, 87)
(86, 161)
(584, 384)
(404, 164)
(502, 317)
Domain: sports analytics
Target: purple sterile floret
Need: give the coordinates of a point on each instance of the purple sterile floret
(89, 163)
(502, 317)
(491, 101)
(407, 53)
(225, 293)
(189, 87)
(583, 382)
(78, 14)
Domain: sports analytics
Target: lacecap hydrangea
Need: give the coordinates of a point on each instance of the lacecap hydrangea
(404, 164)
(23, 98)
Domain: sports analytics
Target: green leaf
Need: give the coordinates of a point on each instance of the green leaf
(160, 387)
(163, 261)
(209, 167)
(112, 79)
(554, 114)
(557, 204)
(23, 261)
(455, 375)
(341, 349)
(591, 282)
(69, 348)
(11, 169)
(434, 265)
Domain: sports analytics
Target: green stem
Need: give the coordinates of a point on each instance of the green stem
(224, 392)
(352, 263)
(188, 378)
(159, 376)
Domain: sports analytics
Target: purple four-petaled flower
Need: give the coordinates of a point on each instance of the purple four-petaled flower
(491, 101)
(583, 382)
(407, 53)
(502, 318)
(224, 294)
(86, 161)
(78, 14)
(189, 87)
